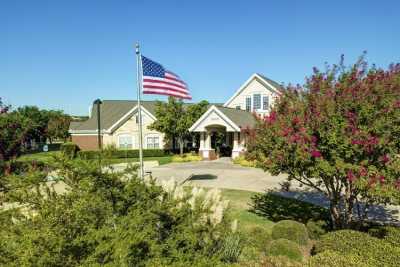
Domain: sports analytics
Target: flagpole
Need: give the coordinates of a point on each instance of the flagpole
(139, 89)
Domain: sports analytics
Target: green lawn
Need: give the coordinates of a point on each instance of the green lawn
(239, 202)
(48, 157)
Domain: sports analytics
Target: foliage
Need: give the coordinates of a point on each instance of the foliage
(231, 248)
(374, 251)
(69, 150)
(316, 228)
(187, 157)
(390, 234)
(277, 208)
(58, 125)
(242, 161)
(284, 247)
(340, 132)
(330, 258)
(14, 130)
(115, 154)
(174, 119)
(279, 261)
(106, 219)
(291, 230)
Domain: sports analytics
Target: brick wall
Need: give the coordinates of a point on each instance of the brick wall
(86, 142)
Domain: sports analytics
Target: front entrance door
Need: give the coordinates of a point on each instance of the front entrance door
(222, 143)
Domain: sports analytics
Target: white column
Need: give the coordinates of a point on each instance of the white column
(208, 140)
(202, 145)
(236, 146)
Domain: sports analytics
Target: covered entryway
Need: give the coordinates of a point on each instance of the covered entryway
(220, 133)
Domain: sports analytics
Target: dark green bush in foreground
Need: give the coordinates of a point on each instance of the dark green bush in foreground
(390, 234)
(291, 230)
(373, 251)
(106, 220)
(334, 259)
(316, 228)
(284, 247)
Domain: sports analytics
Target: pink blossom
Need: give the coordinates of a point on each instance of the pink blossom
(316, 154)
(385, 158)
(350, 176)
(382, 179)
(271, 118)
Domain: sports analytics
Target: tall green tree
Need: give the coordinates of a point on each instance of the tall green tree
(57, 125)
(339, 135)
(39, 120)
(174, 119)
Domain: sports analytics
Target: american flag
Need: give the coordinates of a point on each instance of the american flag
(157, 80)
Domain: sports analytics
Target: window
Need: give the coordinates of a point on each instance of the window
(153, 142)
(257, 101)
(248, 103)
(125, 141)
(265, 102)
(237, 107)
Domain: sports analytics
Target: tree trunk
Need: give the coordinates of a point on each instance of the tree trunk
(181, 146)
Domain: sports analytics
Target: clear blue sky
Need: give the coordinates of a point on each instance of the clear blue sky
(65, 54)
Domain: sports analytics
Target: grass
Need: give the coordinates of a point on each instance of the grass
(240, 203)
(47, 157)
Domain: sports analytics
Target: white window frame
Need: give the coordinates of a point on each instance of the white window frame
(262, 102)
(153, 136)
(125, 135)
(253, 107)
(251, 102)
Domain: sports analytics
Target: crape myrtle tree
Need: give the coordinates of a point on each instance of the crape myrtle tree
(174, 119)
(338, 134)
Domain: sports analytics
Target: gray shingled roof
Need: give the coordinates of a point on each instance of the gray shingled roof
(241, 118)
(272, 82)
(110, 112)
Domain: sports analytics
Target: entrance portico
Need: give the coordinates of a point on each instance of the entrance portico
(221, 133)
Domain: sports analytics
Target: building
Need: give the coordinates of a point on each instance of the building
(220, 127)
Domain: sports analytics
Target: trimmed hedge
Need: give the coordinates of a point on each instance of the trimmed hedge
(389, 234)
(115, 154)
(291, 230)
(374, 251)
(334, 259)
(284, 247)
(316, 228)
(69, 149)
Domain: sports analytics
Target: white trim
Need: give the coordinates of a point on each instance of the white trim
(222, 115)
(125, 135)
(252, 77)
(129, 113)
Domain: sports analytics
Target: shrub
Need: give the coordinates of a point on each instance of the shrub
(389, 234)
(285, 247)
(114, 154)
(291, 230)
(316, 228)
(334, 259)
(276, 208)
(69, 149)
(279, 261)
(242, 161)
(232, 248)
(186, 158)
(374, 251)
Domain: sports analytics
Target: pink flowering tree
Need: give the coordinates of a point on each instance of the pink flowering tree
(338, 134)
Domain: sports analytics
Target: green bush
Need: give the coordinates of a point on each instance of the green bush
(374, 251)
(231, 248)
(69, 149)
(115, 154)
(316, 228)
(389, 234)
(285, 247)
(334, 259)
(291, 230)
(278, 261)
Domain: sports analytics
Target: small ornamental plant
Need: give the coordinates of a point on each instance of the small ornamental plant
(338, 134)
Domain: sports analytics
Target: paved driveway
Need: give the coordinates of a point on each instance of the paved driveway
(221, 173)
